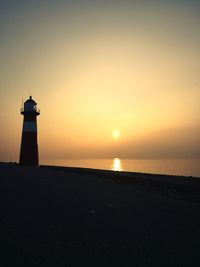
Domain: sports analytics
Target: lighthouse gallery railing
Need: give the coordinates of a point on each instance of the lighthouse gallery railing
(34, 110)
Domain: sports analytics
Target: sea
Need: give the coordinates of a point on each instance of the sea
(182, 167)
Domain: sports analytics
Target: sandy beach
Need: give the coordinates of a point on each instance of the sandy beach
(59, 216)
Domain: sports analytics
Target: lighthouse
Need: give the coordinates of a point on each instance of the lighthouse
(29, 145)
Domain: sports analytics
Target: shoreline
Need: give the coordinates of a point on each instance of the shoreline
(176, 166)
(89, 170)
(180, 187)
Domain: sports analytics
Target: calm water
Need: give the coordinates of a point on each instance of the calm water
(186, 167)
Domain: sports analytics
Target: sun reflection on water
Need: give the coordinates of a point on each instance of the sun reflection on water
(116, 165)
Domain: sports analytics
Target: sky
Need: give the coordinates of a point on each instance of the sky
(111, 78)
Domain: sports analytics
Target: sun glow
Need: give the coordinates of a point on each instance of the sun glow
(115, 134)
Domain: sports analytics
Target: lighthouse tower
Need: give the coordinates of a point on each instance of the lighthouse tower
(29, 145)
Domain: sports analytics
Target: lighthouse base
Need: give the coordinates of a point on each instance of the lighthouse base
(29, 149)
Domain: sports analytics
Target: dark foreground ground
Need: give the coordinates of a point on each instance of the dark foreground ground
(53, 216)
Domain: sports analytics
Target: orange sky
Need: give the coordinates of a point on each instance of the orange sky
(96, 68)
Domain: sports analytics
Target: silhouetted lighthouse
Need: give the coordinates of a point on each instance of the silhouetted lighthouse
(29, 145)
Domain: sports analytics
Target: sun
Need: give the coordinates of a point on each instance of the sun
(115, 134)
